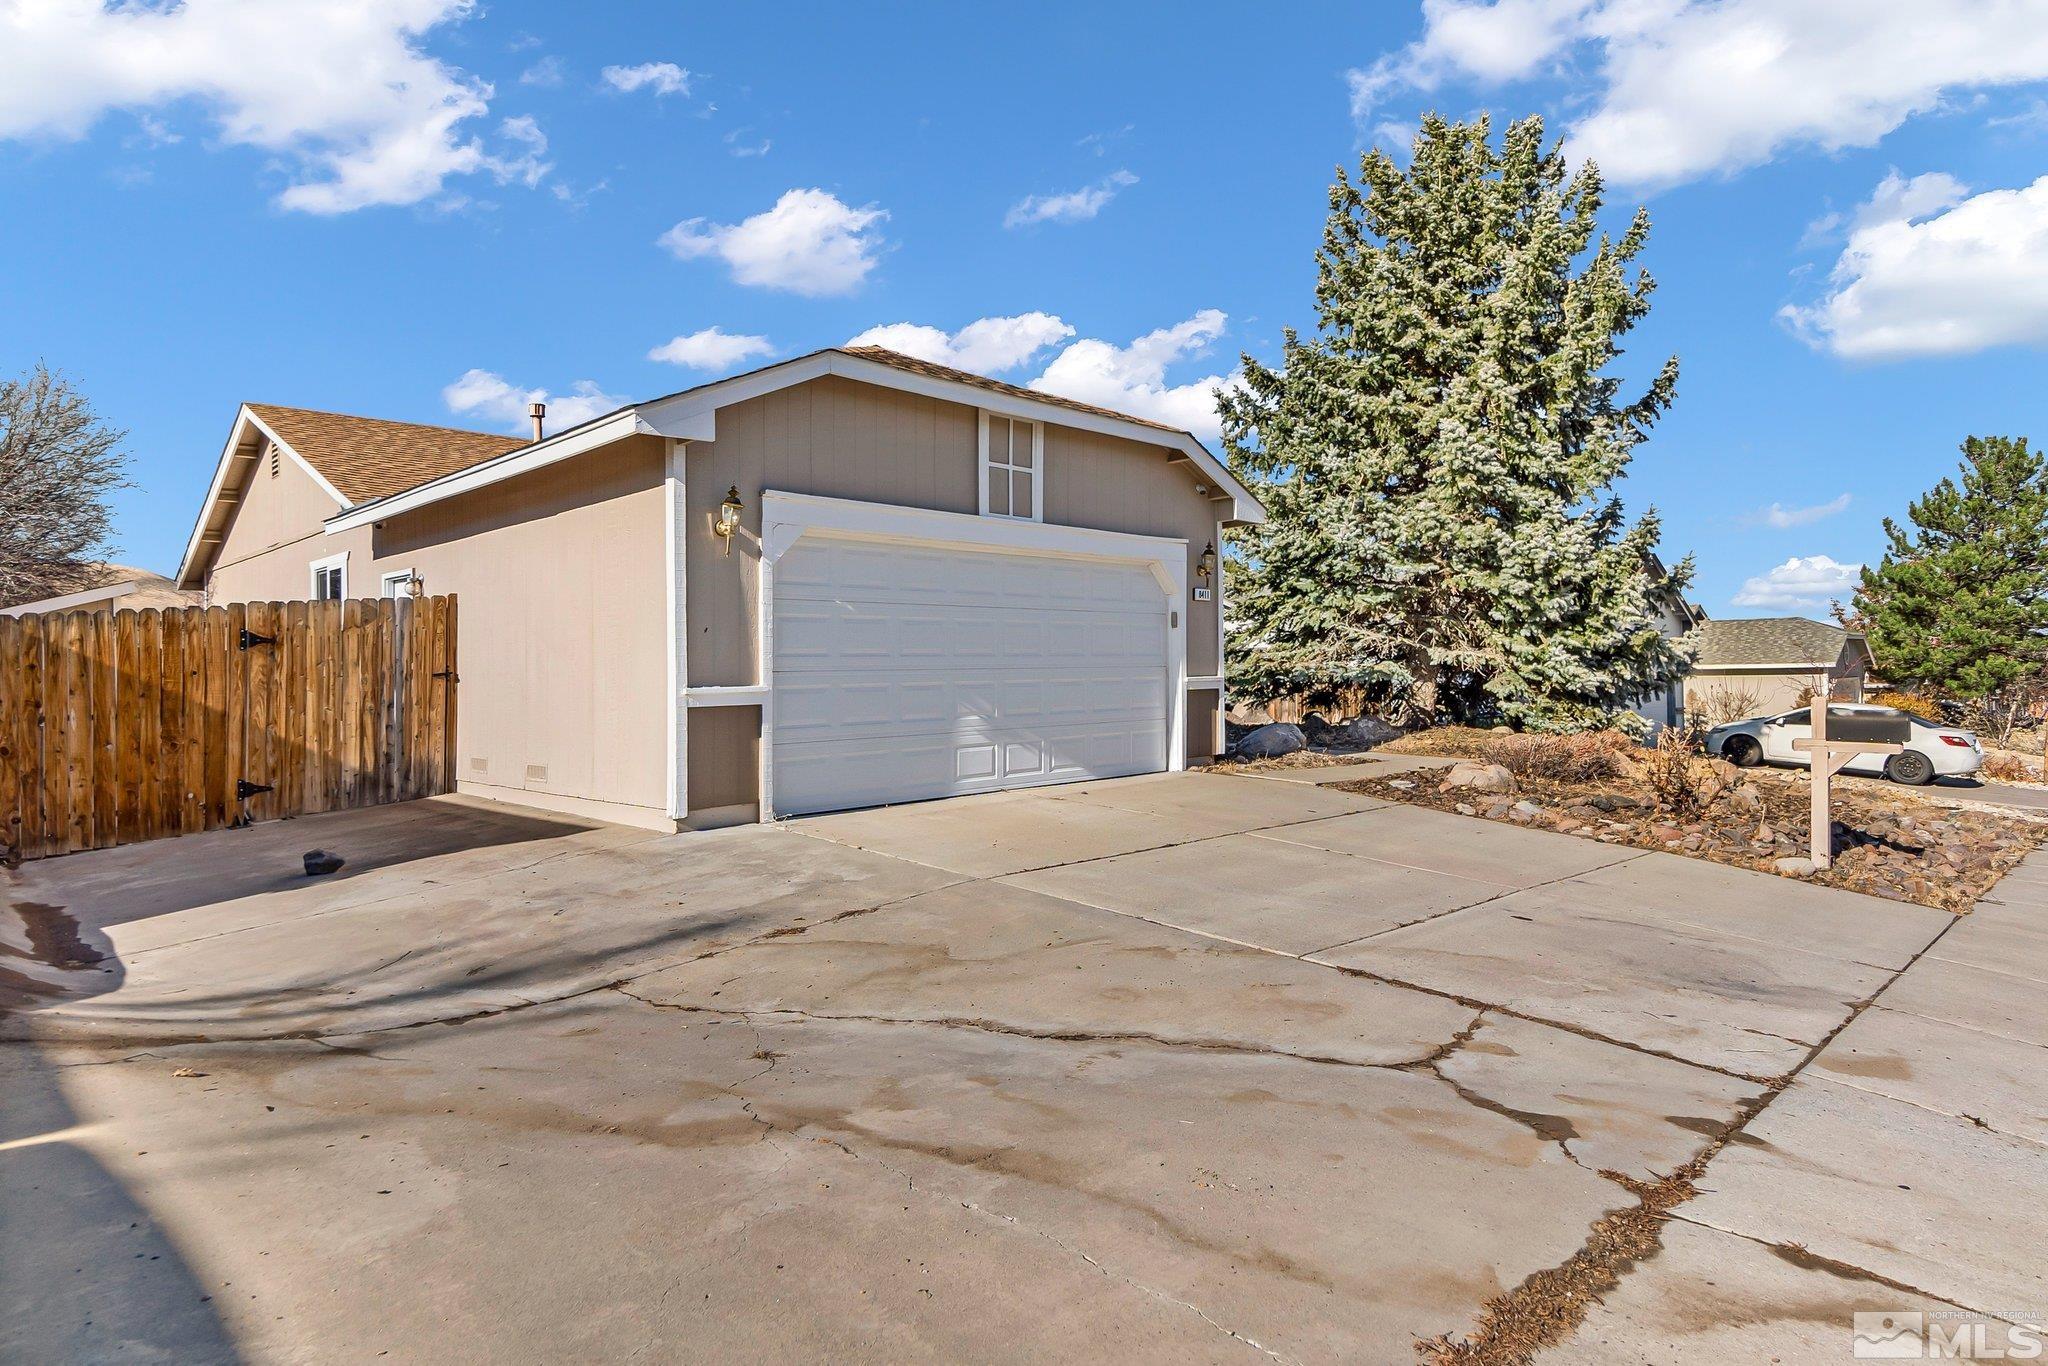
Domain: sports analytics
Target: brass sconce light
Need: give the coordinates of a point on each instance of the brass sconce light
(729, 517)
(1205, 566)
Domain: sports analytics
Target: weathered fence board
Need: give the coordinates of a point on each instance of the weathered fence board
(123, 726)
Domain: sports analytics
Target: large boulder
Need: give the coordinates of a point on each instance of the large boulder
(1363, 732)
(1480, 778)
(1270, 742)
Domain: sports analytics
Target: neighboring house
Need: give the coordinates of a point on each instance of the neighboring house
(934, 583)
(1675, 618)
(1752, 666)
(112, 587)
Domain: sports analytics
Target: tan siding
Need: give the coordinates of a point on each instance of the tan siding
(275, 534)
(1205, 724)
(725, 756)
(839, 438)
(563, 632)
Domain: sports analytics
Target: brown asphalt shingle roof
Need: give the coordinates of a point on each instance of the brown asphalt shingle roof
(369, 457)
(1737, 641)
(897, 359)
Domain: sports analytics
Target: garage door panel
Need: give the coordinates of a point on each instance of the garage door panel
(903, 672)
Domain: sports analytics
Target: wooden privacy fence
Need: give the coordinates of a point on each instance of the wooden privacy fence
(124, 726)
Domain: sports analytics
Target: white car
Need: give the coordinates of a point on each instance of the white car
(1932, 749)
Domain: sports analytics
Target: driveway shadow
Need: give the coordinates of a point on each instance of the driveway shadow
(88, 1272)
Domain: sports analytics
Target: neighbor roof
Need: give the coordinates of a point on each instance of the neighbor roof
(368, 457)
(1758, 642)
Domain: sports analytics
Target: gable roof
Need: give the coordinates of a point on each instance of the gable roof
(933, 370)
(692, 414)
(1771, 642)
(370, 457)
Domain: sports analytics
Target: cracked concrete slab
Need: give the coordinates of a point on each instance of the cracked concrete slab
(1987, 1079)
(1234, 806)
(1613, 1110)
(809, 1190)
(1007, 958)
(1437, 842)
(1709, 1298)
(1555, 953)
(420, 941)
(1764, 907)
(1262, 892)
(2007, 931)
(1988, 999)
(1919, 1198)
(1007, 832)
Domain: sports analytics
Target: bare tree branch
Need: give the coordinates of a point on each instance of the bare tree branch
(58, 464)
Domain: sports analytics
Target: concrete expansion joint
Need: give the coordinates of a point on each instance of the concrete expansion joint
(1807, 1259)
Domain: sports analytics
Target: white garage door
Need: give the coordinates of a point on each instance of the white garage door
(907, 672)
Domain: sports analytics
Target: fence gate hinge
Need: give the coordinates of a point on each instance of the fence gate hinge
(250, 640)
(445, 673)
(244, 789)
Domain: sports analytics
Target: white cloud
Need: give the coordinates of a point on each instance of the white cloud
(809, 243)
(986, 346)
(1694, 87)
(663, 78)
(484, 395)
(340, 89)
(1784, 518)
(1075, 206)
(1132, 379)
(1931, 270)
(547, 73)
(711, 349)
(1802, 583)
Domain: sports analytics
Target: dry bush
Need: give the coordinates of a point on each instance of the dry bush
(1678, 776)
(1588, 757)
(2002, 767)
(1900, 700)
(1720, 705)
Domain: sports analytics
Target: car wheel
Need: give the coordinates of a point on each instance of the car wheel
(1742, 751)
(1911, 768)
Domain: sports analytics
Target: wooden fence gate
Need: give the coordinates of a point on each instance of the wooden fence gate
(124, 726)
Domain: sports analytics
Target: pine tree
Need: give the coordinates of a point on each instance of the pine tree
(1959, 604)
(1438, 459)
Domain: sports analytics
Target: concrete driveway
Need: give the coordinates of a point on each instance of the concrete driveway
(1192, 1067)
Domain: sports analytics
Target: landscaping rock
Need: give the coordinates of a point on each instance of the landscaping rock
(1480, 778)
(319, 862)
(1270, 742)
(1363, 732)
(1793, 867)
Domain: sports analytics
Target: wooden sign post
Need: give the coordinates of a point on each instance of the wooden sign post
(1827, 757)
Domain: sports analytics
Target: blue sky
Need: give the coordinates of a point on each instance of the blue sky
(422, 210)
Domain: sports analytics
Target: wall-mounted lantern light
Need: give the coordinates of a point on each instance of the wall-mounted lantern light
(1205, 566)
(729, 517)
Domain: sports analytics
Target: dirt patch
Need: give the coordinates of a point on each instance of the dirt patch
(1301, 758)
(1898, 843)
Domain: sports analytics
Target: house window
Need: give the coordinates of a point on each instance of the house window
(1012, 468)
(330, 578)
(396, 584)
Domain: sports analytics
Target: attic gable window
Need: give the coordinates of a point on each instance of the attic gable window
(1012, 468)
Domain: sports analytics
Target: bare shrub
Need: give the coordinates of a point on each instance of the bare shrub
(1719, 706)
(1587, 757)
(1679, 777)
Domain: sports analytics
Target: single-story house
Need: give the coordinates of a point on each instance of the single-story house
(1752, 666)
(846, 579)
(110, 587)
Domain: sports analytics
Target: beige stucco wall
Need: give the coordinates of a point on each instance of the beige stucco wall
(275, 535)
(1714, 694)
(562, 625)
(839, 438)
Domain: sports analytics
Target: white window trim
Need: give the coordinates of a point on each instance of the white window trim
(331, 562)
(1037, 470)
(402, 577)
